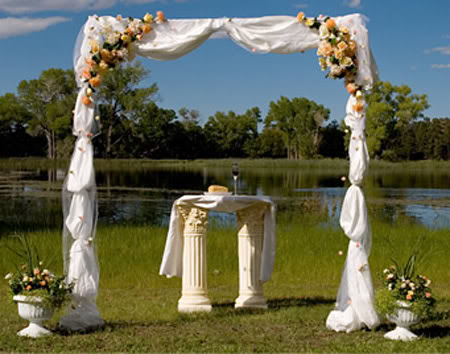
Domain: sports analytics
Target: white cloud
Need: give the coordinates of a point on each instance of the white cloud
(442, 50)
(12, 26)
(353, 3)
(301, 6)
(440, 66)
(29, 6)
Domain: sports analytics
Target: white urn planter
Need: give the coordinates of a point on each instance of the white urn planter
(31, 309)
(403, 318)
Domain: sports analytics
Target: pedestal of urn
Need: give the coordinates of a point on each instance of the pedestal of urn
(31, 308)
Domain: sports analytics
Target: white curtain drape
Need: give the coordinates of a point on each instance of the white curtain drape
(355, 301)
(168, 40)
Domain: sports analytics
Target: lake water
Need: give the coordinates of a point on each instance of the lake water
(31, 199)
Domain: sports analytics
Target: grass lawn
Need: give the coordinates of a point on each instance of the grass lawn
(140, 306)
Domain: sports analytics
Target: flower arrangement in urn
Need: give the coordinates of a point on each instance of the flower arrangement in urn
(35, 289)
(405, 298)
(32, 279)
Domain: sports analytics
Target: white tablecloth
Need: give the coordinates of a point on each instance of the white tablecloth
(172, 262)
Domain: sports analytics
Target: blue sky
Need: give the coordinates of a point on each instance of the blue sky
(409, 38)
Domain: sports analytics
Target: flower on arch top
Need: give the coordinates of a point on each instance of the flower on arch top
(337, 52)
(114, 49)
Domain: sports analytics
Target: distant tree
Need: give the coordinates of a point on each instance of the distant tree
(14, 140)
(192, 140)
(300, 122)
(155, 133)
(232, 135)
(271, 144)
(391, 109)
(49, 102)
(332, 144)
(122, 102)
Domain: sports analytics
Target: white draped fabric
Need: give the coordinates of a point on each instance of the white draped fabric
(172, 262)
(168, 40)
(355, 301)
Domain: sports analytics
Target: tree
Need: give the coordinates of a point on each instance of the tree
(49, 102)
(232, 135)
(14, 140)
(300, 122)
(391, 109)
(121, 103)
(332, 144)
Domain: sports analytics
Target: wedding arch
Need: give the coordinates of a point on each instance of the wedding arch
(104, 42)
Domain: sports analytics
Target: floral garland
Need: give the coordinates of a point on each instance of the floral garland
(115, 49)
(337, 53)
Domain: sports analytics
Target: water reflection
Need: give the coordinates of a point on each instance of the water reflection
(30, 199)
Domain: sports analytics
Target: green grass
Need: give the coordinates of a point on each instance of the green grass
(140, 306)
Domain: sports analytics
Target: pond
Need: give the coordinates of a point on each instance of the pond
(31, 198)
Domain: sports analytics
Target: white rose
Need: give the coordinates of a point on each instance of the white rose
(324, 33)
(25, 279)
(9, 276)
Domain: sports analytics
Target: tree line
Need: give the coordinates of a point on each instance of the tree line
(37, 122)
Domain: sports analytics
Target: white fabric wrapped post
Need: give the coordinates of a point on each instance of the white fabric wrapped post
(80, 216)
(355, 301)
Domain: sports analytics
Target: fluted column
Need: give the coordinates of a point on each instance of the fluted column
(194, 296)
(250, 235)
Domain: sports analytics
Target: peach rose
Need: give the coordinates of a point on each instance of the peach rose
(95, 81)
(351, 88)
(95, 48)
(43, 283)
(86, 73)
(147, 28)
(330, 23)
(106, 55)
(86, 100)
(103, 66)
(28, 288)
(427, 295)
(358, 107)
(160, 16)
(300, 16)
(409, 297)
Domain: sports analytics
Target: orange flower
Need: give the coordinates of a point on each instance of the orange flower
(28, 288)
(160, 16)
(119, 18)
(90, 62)
(86, 100)
(147, 28)
(129, 31)
(351, 88)
(43, 283)
(87, 73)
(358, 107)
(330, 23)
(106, 55)
(95, 81)
(300, 16)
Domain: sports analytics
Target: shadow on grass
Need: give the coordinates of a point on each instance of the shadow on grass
(434, 331)
(278, 303)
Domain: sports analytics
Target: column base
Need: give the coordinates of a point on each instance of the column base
(251, 302)
(194, 304)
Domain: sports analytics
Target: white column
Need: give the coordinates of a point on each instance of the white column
(194, 295)
(250, 235)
